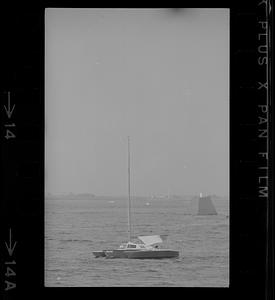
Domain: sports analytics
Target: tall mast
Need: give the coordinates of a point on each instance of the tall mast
(129, 195)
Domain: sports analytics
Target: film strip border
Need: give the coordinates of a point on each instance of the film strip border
(22, 148)
(264, 132)
(251, 203)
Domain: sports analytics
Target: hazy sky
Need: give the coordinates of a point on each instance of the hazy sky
(159, 77)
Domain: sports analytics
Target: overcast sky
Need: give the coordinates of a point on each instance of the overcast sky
(160, 77)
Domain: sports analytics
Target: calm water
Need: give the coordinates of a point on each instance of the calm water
(74, 228)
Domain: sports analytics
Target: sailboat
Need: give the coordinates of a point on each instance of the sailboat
(146, 248)
(206, 206)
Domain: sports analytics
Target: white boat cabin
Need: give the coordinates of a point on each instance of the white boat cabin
(148, 243)
(134, 246)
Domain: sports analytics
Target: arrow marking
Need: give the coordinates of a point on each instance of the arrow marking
(10, 248)
(9, 110)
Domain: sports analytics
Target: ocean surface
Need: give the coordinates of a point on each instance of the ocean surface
(74, 228)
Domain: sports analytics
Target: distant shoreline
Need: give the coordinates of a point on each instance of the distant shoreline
(102, 197)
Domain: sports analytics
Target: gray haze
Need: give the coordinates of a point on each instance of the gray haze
(159, 77)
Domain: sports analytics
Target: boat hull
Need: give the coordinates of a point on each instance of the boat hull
(143, 254)
(99, 253)
(157, 254)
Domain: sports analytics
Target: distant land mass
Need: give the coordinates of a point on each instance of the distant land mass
(88, 196)
(70, 196)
